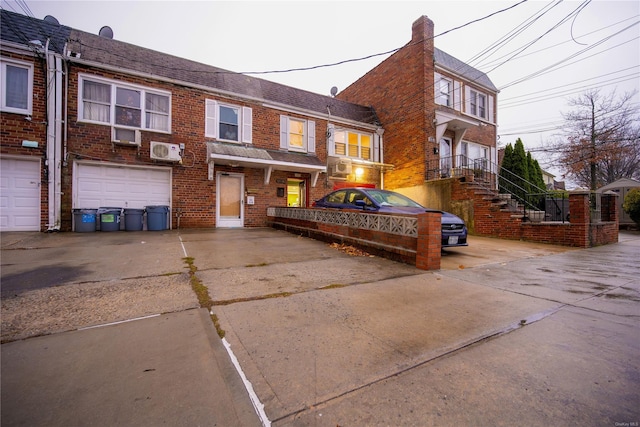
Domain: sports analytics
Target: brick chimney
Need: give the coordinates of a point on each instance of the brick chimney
(422, 30)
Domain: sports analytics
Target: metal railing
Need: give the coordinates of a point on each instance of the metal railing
(535, 203)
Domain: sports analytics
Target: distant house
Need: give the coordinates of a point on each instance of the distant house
(622, 188)
(439, 113)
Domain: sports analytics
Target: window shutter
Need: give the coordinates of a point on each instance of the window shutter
(311, 138)
(284, 132)
(247, 124)
(210, 123)
(491, 101)
(467, 100)
(376, 147)
(331, 146)
(436, 87)
(457, 96)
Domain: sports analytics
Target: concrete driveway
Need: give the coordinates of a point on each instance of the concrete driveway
(505, 333)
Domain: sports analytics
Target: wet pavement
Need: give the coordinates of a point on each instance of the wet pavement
(505, 333)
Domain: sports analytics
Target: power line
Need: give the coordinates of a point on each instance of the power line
(314, 67)
(545, 49)
(552, 66)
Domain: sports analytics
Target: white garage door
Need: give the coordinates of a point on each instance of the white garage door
(19, 194)
(97, 186)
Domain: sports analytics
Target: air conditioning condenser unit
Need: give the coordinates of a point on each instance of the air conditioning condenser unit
(343, 167)
(165, 151)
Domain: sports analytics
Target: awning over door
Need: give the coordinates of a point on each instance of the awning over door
(258, 158)
(456, 123)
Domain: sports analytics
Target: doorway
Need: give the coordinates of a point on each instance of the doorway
(230, 200)
(296, 193)
(445, 158)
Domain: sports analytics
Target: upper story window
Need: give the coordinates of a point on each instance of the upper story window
(297, 134)
(444, 92)
(17, 86)
(352, 144)
(117, 104)
(228, 122)
(478, 104)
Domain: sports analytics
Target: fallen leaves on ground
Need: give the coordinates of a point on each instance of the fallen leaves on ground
(349, 250)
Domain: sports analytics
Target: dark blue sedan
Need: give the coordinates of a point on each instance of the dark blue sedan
(454, 230)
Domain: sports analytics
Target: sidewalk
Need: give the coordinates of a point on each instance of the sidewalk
(170, 369)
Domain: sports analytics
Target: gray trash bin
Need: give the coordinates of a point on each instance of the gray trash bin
(133, 219)
(157, 217)
(84, 220)
(109, 218)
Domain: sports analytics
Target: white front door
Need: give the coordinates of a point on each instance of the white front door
(20, 194)
(230, 200)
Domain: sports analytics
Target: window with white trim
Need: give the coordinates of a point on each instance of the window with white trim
(228, 122)
(17, 86)
(475, 155)
(353, 144)
(477, 104)
(444, 90)
(125, 106)
(297, 134)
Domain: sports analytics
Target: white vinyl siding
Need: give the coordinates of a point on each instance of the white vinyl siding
(228, 122)
(17, 86)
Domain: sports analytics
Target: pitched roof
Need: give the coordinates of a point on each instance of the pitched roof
(18, 28)
(21, 29)
(465, 70)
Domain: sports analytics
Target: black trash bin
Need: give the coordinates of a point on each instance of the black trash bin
(109, 218)
(157, 217)
(133, 219)
(84, 220)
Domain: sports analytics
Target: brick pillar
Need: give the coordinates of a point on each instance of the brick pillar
(579, 218)
(609, 206)
(429, 241)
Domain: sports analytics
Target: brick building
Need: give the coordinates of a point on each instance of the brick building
(439, 114)
(88, 122)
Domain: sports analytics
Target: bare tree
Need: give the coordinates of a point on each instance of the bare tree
(601, 141)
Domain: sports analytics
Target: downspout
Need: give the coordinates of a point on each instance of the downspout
(54, 139)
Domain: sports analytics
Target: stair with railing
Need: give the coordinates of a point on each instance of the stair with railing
(504, 190)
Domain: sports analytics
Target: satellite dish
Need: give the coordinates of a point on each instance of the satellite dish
(106, 32)
(51, 20)
(334, 91)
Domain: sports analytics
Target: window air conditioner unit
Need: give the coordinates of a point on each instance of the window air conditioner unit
(165, 151)
(124, 136)
(343, 167)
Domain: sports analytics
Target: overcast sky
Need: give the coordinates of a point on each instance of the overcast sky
(538, 53)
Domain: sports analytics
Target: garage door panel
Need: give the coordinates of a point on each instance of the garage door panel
(20, 201)
(117, 186)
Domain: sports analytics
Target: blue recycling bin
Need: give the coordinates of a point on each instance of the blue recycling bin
(157, 218)
(84, 220)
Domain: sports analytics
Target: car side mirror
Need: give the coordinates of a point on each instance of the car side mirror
(361, 204)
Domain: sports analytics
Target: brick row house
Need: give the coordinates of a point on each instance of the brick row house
(88, 122)
(439, 115)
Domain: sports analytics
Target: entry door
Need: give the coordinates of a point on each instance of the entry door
(445, 157)
(230, 200)
(296, 193)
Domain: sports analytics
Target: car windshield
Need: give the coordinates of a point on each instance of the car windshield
(388, 198)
